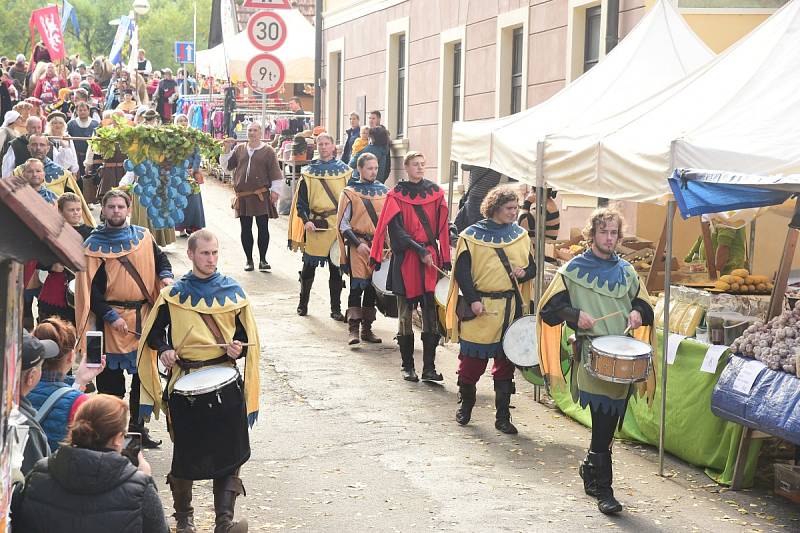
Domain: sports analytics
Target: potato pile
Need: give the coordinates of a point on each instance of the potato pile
(775, 343)
(741, 281)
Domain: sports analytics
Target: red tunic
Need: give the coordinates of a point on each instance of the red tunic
(409, 277)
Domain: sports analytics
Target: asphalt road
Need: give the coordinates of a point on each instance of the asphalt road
(344, 444)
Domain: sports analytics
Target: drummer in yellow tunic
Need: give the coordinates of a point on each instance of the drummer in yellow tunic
(494, 269)
(597, 294)
(204, 320)
(57, 179)
(360, 206)
(312, 221)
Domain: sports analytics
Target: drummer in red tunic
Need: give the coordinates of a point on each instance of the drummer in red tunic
(203, 323)
(416, 217)
(597, 294)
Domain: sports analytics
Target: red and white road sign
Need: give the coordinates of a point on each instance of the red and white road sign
(266, 30)
(265, 73)
(267, 4)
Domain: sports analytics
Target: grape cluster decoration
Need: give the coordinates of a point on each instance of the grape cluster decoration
(162, 191)
(775, 343)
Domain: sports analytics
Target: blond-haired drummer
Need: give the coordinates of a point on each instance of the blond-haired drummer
(494, 269)
(596, 293)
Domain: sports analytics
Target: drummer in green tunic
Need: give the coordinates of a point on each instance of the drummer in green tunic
(597, 293)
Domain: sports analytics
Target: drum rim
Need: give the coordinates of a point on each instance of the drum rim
(384, 268)
(621, 356)
(624, 381)
(207, 388)
(503, 343)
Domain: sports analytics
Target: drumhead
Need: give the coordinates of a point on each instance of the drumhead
(620, 345)
(205, 380)
(335, 253)
(71, 287)
(380, 277)
(43, 275)
(520, 343)
(442, 290)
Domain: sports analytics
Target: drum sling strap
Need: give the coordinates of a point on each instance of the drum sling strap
(501, 254)
(209, 321)
(426, 225)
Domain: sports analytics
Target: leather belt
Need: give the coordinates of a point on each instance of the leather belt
(498, 295)
(127, 305)
(192, 365)
(112, 165)
(239, 195)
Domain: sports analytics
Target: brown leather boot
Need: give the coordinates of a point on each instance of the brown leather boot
(353, 322)
(182, 502)
(226, 489)
(367, 335)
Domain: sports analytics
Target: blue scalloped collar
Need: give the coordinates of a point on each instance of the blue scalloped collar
(487, 230)
(49, 196)
(365, 188)
(114, 240)
(216, 288)
(599, 271)
(334, 167)
(51, 170)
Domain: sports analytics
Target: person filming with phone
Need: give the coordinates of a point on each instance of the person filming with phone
(88, 485)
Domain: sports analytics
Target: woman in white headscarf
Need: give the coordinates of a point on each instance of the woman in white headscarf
(64, 154)
(7, 132)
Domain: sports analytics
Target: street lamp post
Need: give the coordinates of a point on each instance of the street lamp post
(140, 7)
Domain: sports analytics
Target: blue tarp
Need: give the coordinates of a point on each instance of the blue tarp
(772, 404)
(698, 192)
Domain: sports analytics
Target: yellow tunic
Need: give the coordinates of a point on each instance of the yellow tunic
(484, 334)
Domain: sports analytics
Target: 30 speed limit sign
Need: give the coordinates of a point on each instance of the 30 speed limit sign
(265, 73)
(266, 30)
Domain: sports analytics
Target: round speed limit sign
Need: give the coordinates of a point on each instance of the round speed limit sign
(265, 73)
(266, 30)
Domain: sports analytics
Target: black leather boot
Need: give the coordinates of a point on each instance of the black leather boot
(335, 288)
(502, 400)
(305, 294)
(589, 476)
(429, 343)
(147, 441)
(406, 344)
(182, 502)
(368, 317)
(466, 396)
(353, 322)
(226, 489)
(606, 502)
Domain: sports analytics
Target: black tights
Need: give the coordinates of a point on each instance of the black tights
(603, 427)
(262, 222)
(310, 270)
(354, 299)
(112, 381)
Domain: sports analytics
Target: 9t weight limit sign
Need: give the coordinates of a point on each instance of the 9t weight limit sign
(265, 73)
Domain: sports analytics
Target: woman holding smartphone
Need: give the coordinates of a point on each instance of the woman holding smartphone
(57, 396)
(88, 485)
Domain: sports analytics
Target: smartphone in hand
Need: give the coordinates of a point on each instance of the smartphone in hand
(131, 447)
(94, 348)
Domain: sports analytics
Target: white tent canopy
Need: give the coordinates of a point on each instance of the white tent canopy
(229, 59)
(738, 113)
(659, 51)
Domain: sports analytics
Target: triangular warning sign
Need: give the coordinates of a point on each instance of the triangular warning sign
(267, 4)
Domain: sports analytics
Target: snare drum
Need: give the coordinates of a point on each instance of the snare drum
(335, 253)
(381, 277)
(442, 290)
(205, 381)
(618, 359)
(71, 293)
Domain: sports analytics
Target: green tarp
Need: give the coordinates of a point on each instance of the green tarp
(693, 433)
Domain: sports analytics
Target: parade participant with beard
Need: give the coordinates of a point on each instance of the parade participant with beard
(204, 320)
(312, 221)
(359, 208)
(18, 151)
(494, 269)
(125, 270)
(56, 178)
(597, 283)
(416, 217)
(55, 298)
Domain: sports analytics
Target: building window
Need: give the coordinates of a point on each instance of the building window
(456, 107)
(339, 94)
(516, 70)
(591, 42)
(401, 84)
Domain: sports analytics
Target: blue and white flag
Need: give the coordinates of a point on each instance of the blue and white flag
(68, 13)
(115, 56)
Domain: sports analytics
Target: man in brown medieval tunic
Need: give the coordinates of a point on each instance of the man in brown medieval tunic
(256, 182)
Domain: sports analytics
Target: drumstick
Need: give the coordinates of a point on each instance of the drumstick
(608, 316)
(442, 272)
(183, 342)
(213, 345)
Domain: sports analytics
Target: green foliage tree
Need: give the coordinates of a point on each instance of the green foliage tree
(166, 22)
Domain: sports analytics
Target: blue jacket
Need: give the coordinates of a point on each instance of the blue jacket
(55, 425)
(384, 161)
(352, 135)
